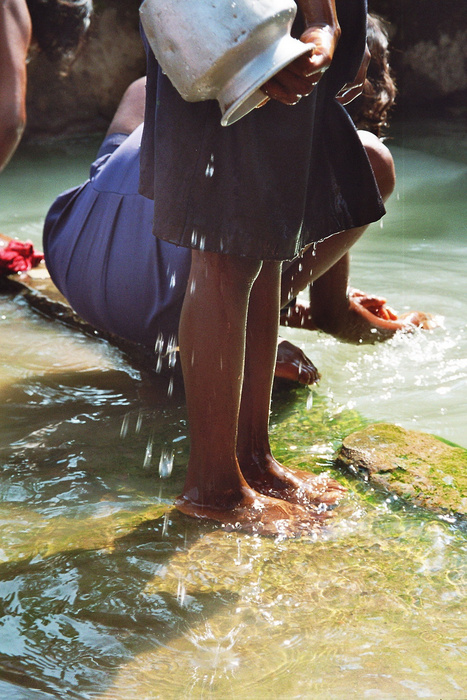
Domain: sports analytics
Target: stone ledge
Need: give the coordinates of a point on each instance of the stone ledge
(37, 288)
(415, 466)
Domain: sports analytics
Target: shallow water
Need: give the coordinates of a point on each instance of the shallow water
(106, 593)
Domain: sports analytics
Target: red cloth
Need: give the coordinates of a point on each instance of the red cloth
(17, 256)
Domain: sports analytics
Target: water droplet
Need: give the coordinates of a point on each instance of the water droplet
(166, 463)
(170, 388)
(139, 422)
(125, 423)
(148, 454)
(181, 592)
(173, 279)
(309, 401)
(172, 348)
(165, 524)
(159, 364)
(159, 346)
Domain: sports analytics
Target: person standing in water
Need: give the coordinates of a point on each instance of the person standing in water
(282, 178)
(55, 27)
(102, 256)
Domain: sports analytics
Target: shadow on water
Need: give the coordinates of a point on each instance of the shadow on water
(72, 619)
(87, 527)
(73, 607)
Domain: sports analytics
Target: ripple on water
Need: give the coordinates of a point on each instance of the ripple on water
(105, 593)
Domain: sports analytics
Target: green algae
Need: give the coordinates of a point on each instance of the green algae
(418, 467)
(26, 533)
(307, 428)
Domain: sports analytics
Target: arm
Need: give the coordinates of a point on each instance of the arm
(130, 111)
(15, 38)
(322, 33)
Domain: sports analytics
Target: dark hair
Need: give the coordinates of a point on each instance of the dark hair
(58, 26)
(371, 109)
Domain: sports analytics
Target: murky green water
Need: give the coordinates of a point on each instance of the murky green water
(107, 593)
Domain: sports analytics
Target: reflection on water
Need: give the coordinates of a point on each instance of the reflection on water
(106, 592)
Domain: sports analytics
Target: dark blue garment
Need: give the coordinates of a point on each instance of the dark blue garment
(265, 187)
(102, 256)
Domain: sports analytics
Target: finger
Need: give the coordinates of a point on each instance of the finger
(349, 93)
(274, 90)
(263, 102)
(288, 87)
(310, 64)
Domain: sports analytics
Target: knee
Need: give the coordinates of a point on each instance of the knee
(231, 269)
(381, 162)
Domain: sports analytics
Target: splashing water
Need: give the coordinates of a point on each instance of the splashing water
(148, 454)
(172, 348)
(125, 424)
(374, 609)
(170, 387)
(209, 172)
(166, 463)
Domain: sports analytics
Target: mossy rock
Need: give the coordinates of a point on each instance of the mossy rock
(415, 466)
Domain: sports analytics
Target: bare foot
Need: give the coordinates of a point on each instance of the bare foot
(257, 514)
(294, 365)
(270, 478)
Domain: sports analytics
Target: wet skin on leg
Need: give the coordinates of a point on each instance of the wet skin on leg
(212, 349)
(259, 467)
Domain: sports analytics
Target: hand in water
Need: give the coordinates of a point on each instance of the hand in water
(361, 318)
(375, 310)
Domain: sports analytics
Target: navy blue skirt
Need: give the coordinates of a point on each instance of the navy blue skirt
(270, 184)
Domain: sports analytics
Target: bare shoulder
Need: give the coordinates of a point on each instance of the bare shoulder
(374, 146)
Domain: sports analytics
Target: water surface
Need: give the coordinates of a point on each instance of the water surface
(107, 593)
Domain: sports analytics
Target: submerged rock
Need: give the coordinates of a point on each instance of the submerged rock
(416, 466)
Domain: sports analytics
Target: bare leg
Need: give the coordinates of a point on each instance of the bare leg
(259, 467)
(212, 350)
(316, 261)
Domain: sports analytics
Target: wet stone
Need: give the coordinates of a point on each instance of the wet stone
(38, 290)
(415, 466)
